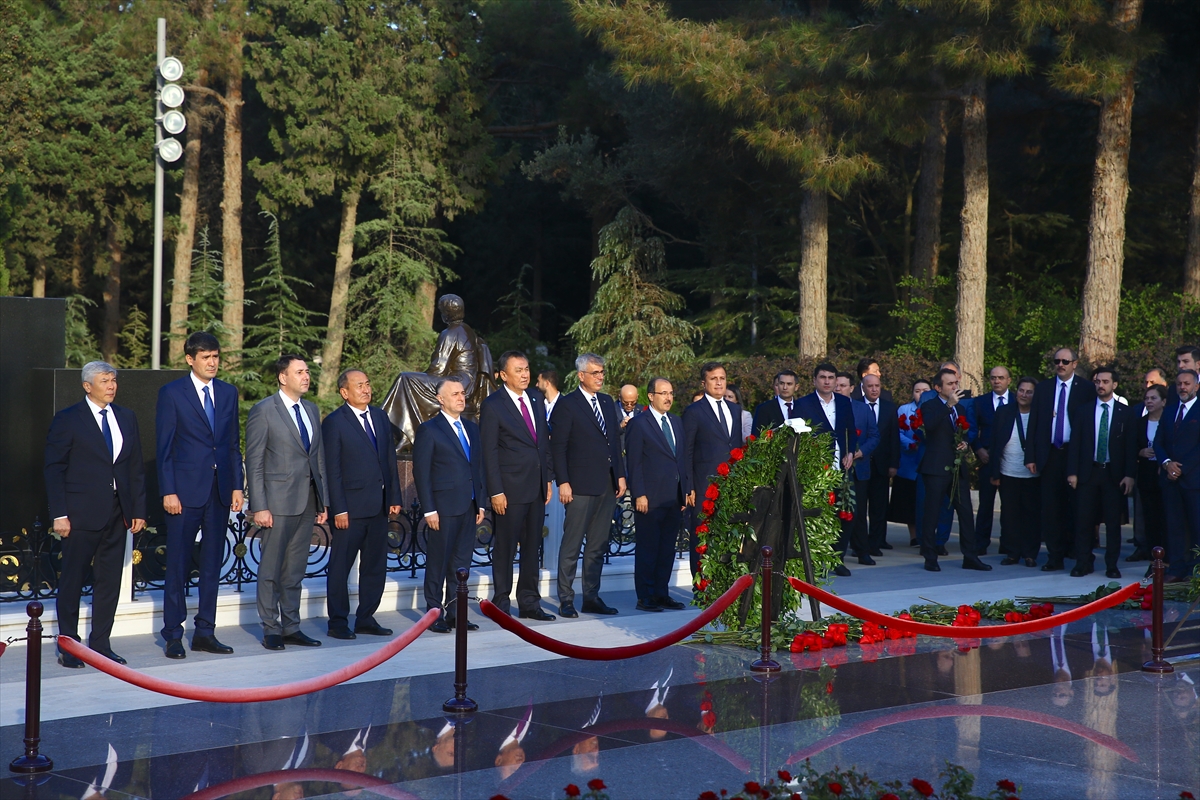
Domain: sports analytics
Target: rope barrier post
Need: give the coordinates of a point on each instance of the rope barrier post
(460, 703)
(33, 762)
(1156, 664)
(765, 663)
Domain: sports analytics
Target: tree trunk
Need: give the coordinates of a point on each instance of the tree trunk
(814, 279)
(112, 293)
(189, 206)
(972, 253)
(39, 278)
(231, 211)
(929, 199)
(77, 263)
(1191, 261)
(335, 335)
(1106, 230)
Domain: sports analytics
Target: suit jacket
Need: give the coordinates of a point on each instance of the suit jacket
(705, 443)
(1180, 444)
(770, 415)
(656, 473)
(1000, 431)
(939, 438)
(867, 433)
(966, 407)
(278, 470)
(363, 478)
(1147, 469)
(514, 464)
(1041, 417)
(985, 413)
(446, 481)
(80, 473)
(809, 407)
(887, 454)
(189, 451)
(1122, 440)
(584, 456)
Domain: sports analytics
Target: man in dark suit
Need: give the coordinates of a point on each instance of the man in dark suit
(515, 438)
(1177, 446)
(448, 472)
(711, 428)
(658, 483)
(854, 532)
(779, 408)
(200, 477)
(1187, 356)
(946, 520)
(941, 416)
(1100, 468)
(364, 488)
(1048, 445)
(986, 406)
(628, 409)
(884, 463)
(586, 446)
(96, 487)
(869, 366)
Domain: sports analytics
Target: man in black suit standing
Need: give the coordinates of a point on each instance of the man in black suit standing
(586, 444)
(869, 366)
(96, 487)
(658, 482)
(516, 457)
(711, 428)
(779, 408)
(885, 463)
(941, 415)
(448, 473)
(1100, 468)
(1177, 445)
(1047, 447)
(364, 488)
(986, 407)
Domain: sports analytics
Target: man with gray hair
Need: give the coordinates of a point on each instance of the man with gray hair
(585, 440)
(96, 488)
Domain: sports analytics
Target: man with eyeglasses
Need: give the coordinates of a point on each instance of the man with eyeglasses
(1055, 401)
(986, 407)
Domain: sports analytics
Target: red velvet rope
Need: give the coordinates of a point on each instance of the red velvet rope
(213, 694)
(963, 632)
(616, 653)
(247, 783)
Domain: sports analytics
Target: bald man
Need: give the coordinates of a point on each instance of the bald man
(628, 408)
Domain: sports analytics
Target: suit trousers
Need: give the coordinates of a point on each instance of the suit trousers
(588, 524)
(875, 516)
(1149, 515)
(104, 552)
(367, 540)
(937, 491)
(854, 532)
(212, 520)
(520, 526)
(985, 514)
(654, 554)
(1058, 506)
(1183, 527)
(1098, 494)
(1020, 516)
(285, 548)
(945, 520)
(446, 550)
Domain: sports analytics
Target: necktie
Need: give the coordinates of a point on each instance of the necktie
(370, 431)
(1001, 403)
(874, 412)
(209, 410)
(107, 431)
(462, 439)
(789, 409)
(528, 418)
(1102, 437)
(303, 430)
(721, 415)
(1060, 416)
(666, 426)
(1179, 417)
(599, 416)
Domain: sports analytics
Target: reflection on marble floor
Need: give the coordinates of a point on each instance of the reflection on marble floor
(1065, 714)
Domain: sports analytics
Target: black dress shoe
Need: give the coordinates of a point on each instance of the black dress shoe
(932, 566)
(440, 626)
(111, 656)
(841, 571)
(913, 543)
(1138, 555)
(1052, 566)
(209, 644)
(373, 629)
(1080, 572)
(301, 639)
(69, 661)
(1113, 573)
(645, 605)
(471, 626)
(867, 560)
(669, 602)
(567, 610)
(536, 613)
(1030, 562)
(875, 551)
(598, 607)
(942, 551)
(1008, 562)
(273, 641)
(174, 649)
(341, 633)
(885, 546)
(974, 563)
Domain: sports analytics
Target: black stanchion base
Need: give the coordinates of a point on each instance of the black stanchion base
(1158, 667)
(31, 765)
(464, 706)
(765, 666)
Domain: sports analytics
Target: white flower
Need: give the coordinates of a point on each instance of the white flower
(798, 425)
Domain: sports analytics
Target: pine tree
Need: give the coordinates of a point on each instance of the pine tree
(81, 344)
(134, 341)
(206, 293)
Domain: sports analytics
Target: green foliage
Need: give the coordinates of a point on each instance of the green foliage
(927, 323)
(206, 292)
(519, 331)
(81, 343)
(134, 341)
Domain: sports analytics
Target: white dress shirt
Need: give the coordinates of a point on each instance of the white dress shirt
(516, 398)
(830, 410)
(212, 391)
(783, 406)
(550, 404)
(1100, 406)
(366, 425)
(291, 412)
(721, 411)
(873, 405)
(118, 439)
(996, 399)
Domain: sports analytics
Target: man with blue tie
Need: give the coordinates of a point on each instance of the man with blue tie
(658, 483)
(200, 477)
(986, 407)
(96, 489)
(448, 473)
(1177, 445)
(364, 488)
(854, 532)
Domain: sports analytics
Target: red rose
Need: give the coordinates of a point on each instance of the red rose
(923, 787)
(707, 796)
(832, 498)
(708, 507)
(858, 431)
(708, 719)
(769, 434)
(702, 584)
(712, 492)
(888, 796)
(836, 788)
(918, 420)
(752, 787)
(1186, 795)
(702, 527)
(1006, 785)
(596, 785)
(736, 455)
(902, 422)
(751, 438)
(912, 445)
(498, 797)
(784, 776)
(701, 549)
(571, 790)
(722, 469)
(963, 424)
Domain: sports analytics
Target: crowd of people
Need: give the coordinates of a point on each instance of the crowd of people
(1064, 454)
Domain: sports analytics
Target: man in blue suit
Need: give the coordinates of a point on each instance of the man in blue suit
(448, 473)
(658, 482)
(200, 477)
(364, 488)
(96, 487)
(985, 407)
(1177, 445)
(711, 428)
(854, 532)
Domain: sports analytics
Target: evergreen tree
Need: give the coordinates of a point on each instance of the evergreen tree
(135, 341)
(206, 293)
(81, 344)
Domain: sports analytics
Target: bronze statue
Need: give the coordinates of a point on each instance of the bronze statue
(461, 354)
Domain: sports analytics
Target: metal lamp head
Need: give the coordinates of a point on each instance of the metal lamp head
(174, 122)
(169, 150)
(171, 95)
(171, 69)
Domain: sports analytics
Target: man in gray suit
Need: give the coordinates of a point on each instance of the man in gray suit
(285, 471)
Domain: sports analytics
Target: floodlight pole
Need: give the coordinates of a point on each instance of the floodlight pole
(156, 300)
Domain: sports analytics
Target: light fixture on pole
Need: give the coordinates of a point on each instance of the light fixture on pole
(167, 150)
